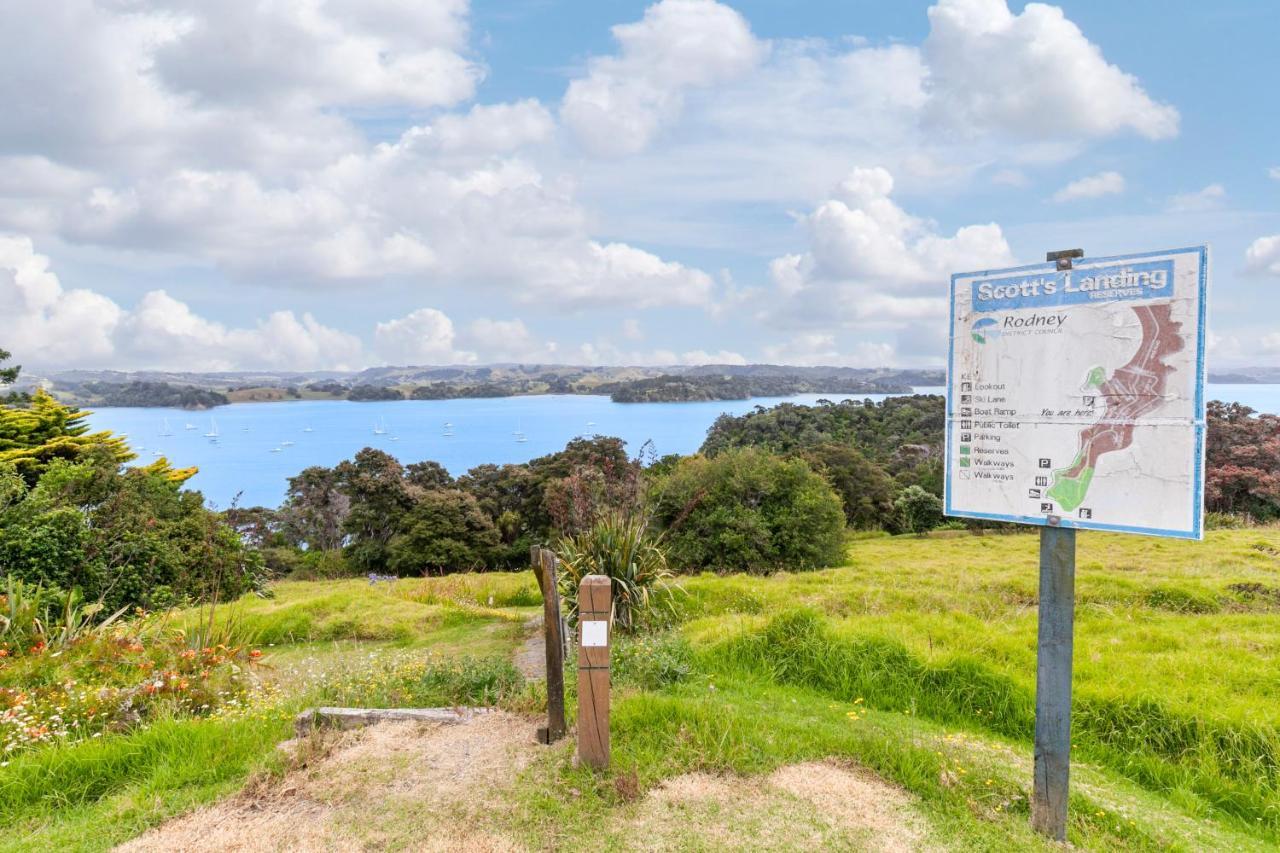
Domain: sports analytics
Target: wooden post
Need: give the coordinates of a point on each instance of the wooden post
(545, 569)
(1053, 682)
(1052, 770)
(595, 605)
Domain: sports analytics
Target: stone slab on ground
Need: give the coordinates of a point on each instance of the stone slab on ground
(354, 718)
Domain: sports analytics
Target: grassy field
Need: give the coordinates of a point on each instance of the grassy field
(915, 660)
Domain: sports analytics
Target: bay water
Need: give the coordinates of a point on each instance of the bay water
(260, 445)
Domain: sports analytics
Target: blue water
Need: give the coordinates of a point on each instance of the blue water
(241, 461)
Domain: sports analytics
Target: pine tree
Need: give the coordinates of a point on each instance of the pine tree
(8, 375)
(33, 436)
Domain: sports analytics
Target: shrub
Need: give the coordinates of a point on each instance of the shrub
(64, 678)
(124, 537)
(916, 510)
(622, 549)
(748, 510)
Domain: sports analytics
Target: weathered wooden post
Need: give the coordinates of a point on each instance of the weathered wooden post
(1053, 682)
(545, 569)
(595, 606)
(1052, 762)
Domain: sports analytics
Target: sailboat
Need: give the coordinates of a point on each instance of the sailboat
(166, 431)
(189, 425)
(307, 428)
(380, 428)
(213, 430)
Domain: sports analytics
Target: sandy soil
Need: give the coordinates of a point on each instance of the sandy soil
(413, 786)
(394, 785)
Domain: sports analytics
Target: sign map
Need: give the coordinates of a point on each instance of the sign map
(1076, 397)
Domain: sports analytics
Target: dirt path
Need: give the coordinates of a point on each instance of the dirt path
(531, 657)
(394, 785)
(410, 786)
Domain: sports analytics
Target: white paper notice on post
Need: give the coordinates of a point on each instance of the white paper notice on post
(595, 633)
(1076, 397)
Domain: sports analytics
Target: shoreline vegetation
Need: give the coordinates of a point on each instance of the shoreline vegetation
(159, 389)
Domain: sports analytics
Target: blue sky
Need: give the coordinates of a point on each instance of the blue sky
(335, 183)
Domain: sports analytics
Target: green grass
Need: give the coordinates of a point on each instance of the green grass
(412, 643)
(92, 795)
(916, 660)
(1177, 688)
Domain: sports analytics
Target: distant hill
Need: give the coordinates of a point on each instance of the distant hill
(1247, 376)
(426, 382)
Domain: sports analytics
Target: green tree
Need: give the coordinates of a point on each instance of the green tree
(748, 510)
(374, 484)
(315, 509)
(445, 531)
(34, 436)
(865, 489)
(129, 536)
(8, 375)
(428, 475)
(918, 511)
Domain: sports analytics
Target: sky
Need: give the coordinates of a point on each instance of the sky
(337, 184)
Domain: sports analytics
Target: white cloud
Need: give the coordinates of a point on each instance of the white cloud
(425, 336)
(1209, 198)
(822, 349)
(873, 270)
(1263, 255)
(1274, 172)
(625, 98)
(1093, 186)
(53, 327)
(860, 234)
(1030, 75)
(509, 340)
(701, 356)
(228, 138)
(39, 318)
(349, 53)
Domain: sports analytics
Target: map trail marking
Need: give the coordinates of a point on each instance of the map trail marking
(1132, 429)
(1077, 393)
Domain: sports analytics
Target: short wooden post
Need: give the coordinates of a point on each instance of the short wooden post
(545, 569)
(595, 605)
(1053, 682)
